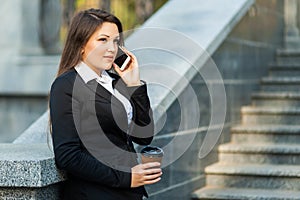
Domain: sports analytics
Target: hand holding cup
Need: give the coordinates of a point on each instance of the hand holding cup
(149, 172)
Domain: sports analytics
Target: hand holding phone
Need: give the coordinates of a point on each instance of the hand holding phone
(127, 67)
(122, 59)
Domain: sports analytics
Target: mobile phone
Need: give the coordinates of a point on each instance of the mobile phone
(122, 59)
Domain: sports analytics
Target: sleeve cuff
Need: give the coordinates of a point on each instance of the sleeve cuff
(126, 179)
(138, 90)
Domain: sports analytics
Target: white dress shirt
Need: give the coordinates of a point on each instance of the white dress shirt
(87, 74)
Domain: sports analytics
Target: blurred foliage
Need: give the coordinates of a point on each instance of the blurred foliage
(125, 10)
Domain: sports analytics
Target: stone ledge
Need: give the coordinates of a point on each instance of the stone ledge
(28, 166)
(238, 193)
(284, 65)
(269, 110)
(280, 80)
(289, 52)
(267, 129)
(51, 192)
(276, 95)
(264, 170)
(260, 148)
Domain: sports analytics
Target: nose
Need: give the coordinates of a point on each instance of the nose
(111, 47)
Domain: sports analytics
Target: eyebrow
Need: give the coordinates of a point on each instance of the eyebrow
(118, 36)
(104, 35)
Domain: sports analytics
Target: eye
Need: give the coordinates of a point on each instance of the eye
(102, 40)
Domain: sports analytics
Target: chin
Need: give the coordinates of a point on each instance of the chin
(108, 67)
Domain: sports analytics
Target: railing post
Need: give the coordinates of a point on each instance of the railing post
(291, 35)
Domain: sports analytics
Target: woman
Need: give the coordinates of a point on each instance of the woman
(96, 115)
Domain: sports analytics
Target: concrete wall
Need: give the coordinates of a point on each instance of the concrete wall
(242, 60)
(29, 35)
(17, 112)
(245, 55)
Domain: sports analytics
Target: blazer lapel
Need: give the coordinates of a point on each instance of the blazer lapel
(101, 92)
(119, 84)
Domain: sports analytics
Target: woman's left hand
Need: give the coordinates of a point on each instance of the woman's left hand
(131, 74)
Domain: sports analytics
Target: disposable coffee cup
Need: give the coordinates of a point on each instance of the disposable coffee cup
(151, 154)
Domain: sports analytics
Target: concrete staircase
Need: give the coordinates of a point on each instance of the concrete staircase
(262, 161)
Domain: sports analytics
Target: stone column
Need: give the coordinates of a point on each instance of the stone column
(49, 26)
(292, 38)
(33, 26)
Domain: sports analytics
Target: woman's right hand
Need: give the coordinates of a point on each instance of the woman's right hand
(144, 174)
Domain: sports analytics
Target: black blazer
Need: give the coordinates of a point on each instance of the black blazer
(91, 138)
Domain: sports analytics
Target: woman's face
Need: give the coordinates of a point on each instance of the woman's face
(101, 49)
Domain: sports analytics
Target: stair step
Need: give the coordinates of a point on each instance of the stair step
(254, 170)
(263, 176)
(288, 52)
(270, 115)
(260, 148)
(273, 129)
(288, 56)
(263, 159)
(281, 80)
(280, 83)
(282, 65)
(284, 71)
(274, 99)
(222, 193)
(266, 134)
(260, 153)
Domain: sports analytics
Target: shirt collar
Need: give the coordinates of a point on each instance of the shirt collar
(87, 74)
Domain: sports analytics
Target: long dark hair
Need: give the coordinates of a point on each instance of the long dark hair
(82, 27)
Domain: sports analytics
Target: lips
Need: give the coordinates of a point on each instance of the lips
(109, 58)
